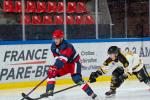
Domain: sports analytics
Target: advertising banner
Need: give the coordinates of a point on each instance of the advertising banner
(30, 62)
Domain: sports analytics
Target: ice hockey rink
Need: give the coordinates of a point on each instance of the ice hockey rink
(130, 90)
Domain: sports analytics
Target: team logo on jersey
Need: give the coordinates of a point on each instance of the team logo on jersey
(57, 51)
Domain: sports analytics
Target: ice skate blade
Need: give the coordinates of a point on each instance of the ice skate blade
(110, 96)
(48, 98)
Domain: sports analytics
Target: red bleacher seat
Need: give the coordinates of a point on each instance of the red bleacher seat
(79, 19)
(31, 7)
(89, 20)
(41, 7)
(18, 6)
(8, 6)
(81, 7)
(52, 7)
(58, 19)
(60, 7)
(47, 19)
(27, 19)
(70, 20)
(36, 19)
(71, 7)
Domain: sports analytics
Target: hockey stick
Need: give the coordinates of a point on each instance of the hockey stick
(38, 98)
(33, 88)
(146, 71)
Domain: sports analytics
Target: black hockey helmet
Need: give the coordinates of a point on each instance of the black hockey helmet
(113, 50)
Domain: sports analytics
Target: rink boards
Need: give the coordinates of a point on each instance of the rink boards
(25, 63)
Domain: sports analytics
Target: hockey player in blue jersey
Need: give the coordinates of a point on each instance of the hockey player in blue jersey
(66, 62)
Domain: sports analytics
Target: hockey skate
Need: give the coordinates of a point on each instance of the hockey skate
(94, 97)
(110, 93)
(47, 96)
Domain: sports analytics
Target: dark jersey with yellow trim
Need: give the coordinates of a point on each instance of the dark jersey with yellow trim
(120, 58)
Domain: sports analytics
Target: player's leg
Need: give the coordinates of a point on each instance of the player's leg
(77, 78)
(143, 76)
(49, 88)
(116, 81)
(51, 82)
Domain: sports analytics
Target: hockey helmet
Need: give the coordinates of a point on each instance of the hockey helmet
(58, 34)
(113, 50)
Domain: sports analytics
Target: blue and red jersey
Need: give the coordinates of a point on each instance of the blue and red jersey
(64, 53)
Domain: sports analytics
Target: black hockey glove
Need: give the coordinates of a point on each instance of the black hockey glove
(94, 75)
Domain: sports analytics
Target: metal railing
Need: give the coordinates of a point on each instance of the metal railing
(112, 19)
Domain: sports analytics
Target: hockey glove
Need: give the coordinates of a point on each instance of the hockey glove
(52, 72)
(94, 75)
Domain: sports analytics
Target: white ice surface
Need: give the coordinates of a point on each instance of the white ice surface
(130, 90)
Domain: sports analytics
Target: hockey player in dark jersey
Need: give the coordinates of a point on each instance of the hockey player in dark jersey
(66, 62)
(122, 65)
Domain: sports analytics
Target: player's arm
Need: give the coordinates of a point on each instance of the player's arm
(96, 74)
(52, 71)
(60, 61)
(135, 63)
(101, 71)
(127, 62)
(63, 57)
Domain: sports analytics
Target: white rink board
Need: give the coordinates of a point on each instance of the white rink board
(17, 66)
